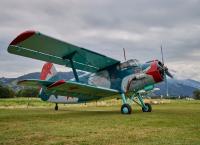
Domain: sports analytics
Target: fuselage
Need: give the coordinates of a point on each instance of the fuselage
(126, 77)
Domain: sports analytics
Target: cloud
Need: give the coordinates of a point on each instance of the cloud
(107, 26)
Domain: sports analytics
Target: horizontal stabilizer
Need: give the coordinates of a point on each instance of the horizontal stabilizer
(34, 83)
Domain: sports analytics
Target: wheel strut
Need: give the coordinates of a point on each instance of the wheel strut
(126, 108)
(56, 107)
(146, 107)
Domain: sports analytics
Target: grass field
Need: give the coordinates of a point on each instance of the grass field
(176, 123)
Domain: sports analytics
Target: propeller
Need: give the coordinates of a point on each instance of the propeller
(165, 71)
(168, 73)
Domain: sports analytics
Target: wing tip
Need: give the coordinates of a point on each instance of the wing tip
(23, 36)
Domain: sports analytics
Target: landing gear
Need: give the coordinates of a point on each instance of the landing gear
(147, 108)
(138, 99)
(56, 107)
(126, 109)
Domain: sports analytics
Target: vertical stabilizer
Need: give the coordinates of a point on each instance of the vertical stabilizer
(49, 72)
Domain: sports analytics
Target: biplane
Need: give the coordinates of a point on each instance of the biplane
(105, 78)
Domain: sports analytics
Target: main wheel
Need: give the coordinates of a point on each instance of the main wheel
(56, 107)
(126, 109)
(148, 108)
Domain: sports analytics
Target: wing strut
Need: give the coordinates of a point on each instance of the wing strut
(70, 57)
(74, 70)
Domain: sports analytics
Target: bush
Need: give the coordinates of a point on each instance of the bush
(196, 94)
(6, 92)
(28, 92)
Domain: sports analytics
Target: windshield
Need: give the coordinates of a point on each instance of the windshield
(130, 63)
(133, 62)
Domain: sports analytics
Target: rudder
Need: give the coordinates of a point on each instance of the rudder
(49, 72)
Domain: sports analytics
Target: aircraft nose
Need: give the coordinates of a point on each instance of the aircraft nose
(164, 70)
(156, 71)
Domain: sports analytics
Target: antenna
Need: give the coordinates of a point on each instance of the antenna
(124, 54)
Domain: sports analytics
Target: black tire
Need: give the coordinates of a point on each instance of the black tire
(148, 109)
(126, 109)
(56, 107)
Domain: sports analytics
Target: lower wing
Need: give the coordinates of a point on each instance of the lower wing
(73, 89)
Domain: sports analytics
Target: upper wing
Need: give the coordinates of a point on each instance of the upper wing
(74, 89)
(39, 46)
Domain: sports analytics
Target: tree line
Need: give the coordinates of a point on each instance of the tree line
(7, 92)
(196, 94)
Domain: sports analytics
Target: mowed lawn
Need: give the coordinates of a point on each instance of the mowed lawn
(176, 123)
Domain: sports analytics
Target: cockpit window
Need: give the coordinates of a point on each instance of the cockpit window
(133, 62)
(129, 63)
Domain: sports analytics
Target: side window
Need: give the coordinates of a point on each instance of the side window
(137, 69)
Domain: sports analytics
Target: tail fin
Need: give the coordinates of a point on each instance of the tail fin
(49, 72)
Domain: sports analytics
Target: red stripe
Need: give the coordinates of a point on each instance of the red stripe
(60, 82)
(23, 36)
(46, 70)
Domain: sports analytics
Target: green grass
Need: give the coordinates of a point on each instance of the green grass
(175, 123)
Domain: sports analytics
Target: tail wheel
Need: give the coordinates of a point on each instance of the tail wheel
(56, 107)
(147, 108)
(126, 109)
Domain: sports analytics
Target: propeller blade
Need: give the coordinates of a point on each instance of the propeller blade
(166, 84)
(162, 54)
(168, 74)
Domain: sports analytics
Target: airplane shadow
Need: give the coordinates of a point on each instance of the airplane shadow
(64, 113)
(74, 113)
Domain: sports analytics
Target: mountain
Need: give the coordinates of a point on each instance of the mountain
(12, 82)
(176, 87)
(192, 83)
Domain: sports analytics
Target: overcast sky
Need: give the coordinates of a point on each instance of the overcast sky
(106, 26)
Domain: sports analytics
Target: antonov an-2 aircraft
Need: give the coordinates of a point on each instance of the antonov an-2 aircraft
(106, 77)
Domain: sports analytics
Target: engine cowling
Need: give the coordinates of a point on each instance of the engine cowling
(156, 71)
